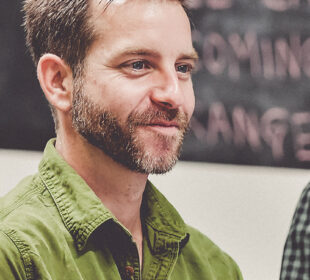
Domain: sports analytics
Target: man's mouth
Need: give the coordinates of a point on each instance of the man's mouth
(167, 128)
(165, 124)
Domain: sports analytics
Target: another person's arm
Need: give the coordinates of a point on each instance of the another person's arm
(296, 256)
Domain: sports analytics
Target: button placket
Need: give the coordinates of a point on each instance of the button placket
(127, 260)
(130, 272)
(132, 268)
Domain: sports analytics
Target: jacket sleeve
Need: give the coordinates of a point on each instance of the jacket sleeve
(237, 275)
(296, 255)
(11, 261)
(208, 258)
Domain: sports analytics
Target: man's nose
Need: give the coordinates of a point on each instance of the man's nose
(167, 92)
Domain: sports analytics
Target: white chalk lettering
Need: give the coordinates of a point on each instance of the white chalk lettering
(211, 4)
(288, 58)
(267, 59)
(306, 57)
(274, 127)
(218, 124)
(281, 5)
(214, 55)
(246, 128)
(219, 4)
(198, 129)
(279, 58)
(244, 50)
(302, 139)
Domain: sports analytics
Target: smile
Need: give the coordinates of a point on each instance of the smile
(165, 128)
(165, 124)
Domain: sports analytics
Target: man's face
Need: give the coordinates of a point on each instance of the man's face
(136, 98)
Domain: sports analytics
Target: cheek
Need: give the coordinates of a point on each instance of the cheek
(189, 104)
(124, 98)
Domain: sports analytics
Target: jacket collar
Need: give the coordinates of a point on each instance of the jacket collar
(82, 211)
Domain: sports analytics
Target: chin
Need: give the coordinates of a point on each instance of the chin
(157, 165)
(158, 159)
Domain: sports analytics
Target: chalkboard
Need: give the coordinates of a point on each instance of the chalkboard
(25, 120)
(251, 83)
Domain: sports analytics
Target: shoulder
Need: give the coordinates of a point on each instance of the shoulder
(301, 216)
(13, 255)
(24, 204)
(27, 194)
(207, 254)
(304, 199)
(198, 238)
(19, 195)
(28, 213)
(200, 241)
(16, 208)
(299, 228)
(31, 228)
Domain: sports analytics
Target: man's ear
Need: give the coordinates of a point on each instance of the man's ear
(56, 81)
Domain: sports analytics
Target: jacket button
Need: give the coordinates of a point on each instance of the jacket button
(129, 271)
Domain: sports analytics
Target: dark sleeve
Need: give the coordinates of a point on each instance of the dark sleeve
(11, 261)
(296, 255)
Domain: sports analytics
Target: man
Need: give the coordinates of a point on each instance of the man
(117, 75)
(296, 256)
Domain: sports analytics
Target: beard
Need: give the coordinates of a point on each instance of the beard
(123, 142)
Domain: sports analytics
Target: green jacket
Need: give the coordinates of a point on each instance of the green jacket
(52, 226)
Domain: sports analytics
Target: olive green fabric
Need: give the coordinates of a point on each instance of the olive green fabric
(52, 226)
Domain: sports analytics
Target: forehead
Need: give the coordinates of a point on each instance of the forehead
(99, 6)
(107, 10)
(141, 21)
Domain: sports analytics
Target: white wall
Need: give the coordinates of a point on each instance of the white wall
(245, 210)
(14, 165)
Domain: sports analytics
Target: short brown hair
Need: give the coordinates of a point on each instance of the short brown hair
(60, 27)
(63, 28)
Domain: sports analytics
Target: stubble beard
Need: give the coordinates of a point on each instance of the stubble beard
(101, 128)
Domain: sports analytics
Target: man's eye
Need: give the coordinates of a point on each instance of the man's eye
(184, 68)
(136, 68)
(139, 65)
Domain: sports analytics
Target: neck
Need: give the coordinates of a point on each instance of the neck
(119, 188)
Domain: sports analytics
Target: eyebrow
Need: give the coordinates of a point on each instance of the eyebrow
(192, 55)
(138, 51)
(151, 53)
